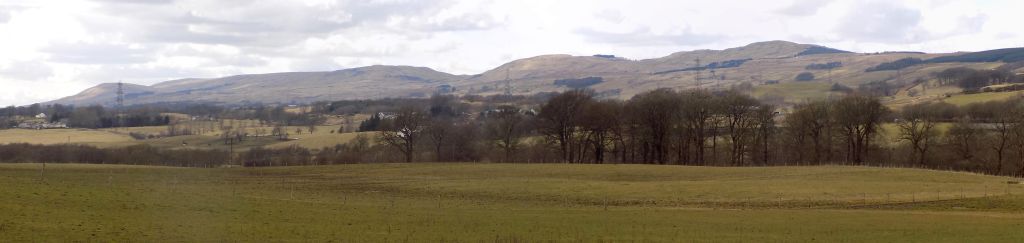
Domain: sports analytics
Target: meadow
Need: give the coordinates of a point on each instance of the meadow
(505, 203)
(60, 136)
(966, 99)
(794, 92)
(321, 137)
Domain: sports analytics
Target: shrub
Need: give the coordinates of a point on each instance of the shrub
(824, 66)
(896, 65)
(804, 76)
(579, 82)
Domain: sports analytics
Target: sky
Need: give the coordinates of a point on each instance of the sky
(53, 49)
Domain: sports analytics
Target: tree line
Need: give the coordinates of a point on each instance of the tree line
(131, 155)
(664, 126)
(719, 129)
(85, 116)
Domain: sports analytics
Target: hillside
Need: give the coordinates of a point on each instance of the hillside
(294, 87)
(760, 65)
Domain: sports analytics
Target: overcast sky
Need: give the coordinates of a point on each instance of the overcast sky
(52, 49)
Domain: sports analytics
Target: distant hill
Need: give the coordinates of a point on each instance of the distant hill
(760, 65)
(294, 87)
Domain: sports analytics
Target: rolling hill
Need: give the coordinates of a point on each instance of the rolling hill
(293, 87)
(761, 65)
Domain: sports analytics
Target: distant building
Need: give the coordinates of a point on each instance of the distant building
(444, 89)
(41, 116)
(42, 125)
(386, 115)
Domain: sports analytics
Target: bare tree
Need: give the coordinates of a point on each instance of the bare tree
(559, 120)
(279, 132)
(654, 114)
(963, 137)
(600, 120)
(738, 110)
(1018, 139)
(698, 111)
(506, 127)
(811, 122)
(439, 131)
(1002, 125)
(917, 127)
(858, 118)
(404, 130)
(764, 123)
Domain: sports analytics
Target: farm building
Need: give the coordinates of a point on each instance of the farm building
(42, 125)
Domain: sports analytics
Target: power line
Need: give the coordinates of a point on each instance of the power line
(696, 77)
(508, 83)
(120, 104)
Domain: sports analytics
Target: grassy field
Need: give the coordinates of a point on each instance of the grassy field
(794, 92)
(61, 136)
(981, 97)
(106, 138)
(891, 132)
(321, 139)
(505, 202)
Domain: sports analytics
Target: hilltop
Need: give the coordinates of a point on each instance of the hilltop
(765, 69)
(292, 87)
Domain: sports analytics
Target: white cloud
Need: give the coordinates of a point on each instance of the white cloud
(882, 22)
(55, 48)
(645, 37)
(802, 8)
(26, 70)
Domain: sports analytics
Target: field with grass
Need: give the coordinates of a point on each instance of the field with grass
(794, 92)
(505, 202)
(321, 137)
(61, 136)
(966, 99)
(891, 132)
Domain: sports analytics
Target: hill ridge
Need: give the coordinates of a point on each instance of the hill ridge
(758, 63)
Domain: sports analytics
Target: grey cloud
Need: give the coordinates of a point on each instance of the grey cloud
(27, 70)
(379, 11)
(238, 60)
(610, 15)
(264, 29)
(90, 53)
(140, 75)
(971, 24)
(468, 22)
(161, 25)
(801, 8)
(644, 37)
(315, 64)
(882, 22)
(181, 34)
(157, 2)
(18, 98)
(1006, 35)
(7, 11)
(270, 23)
